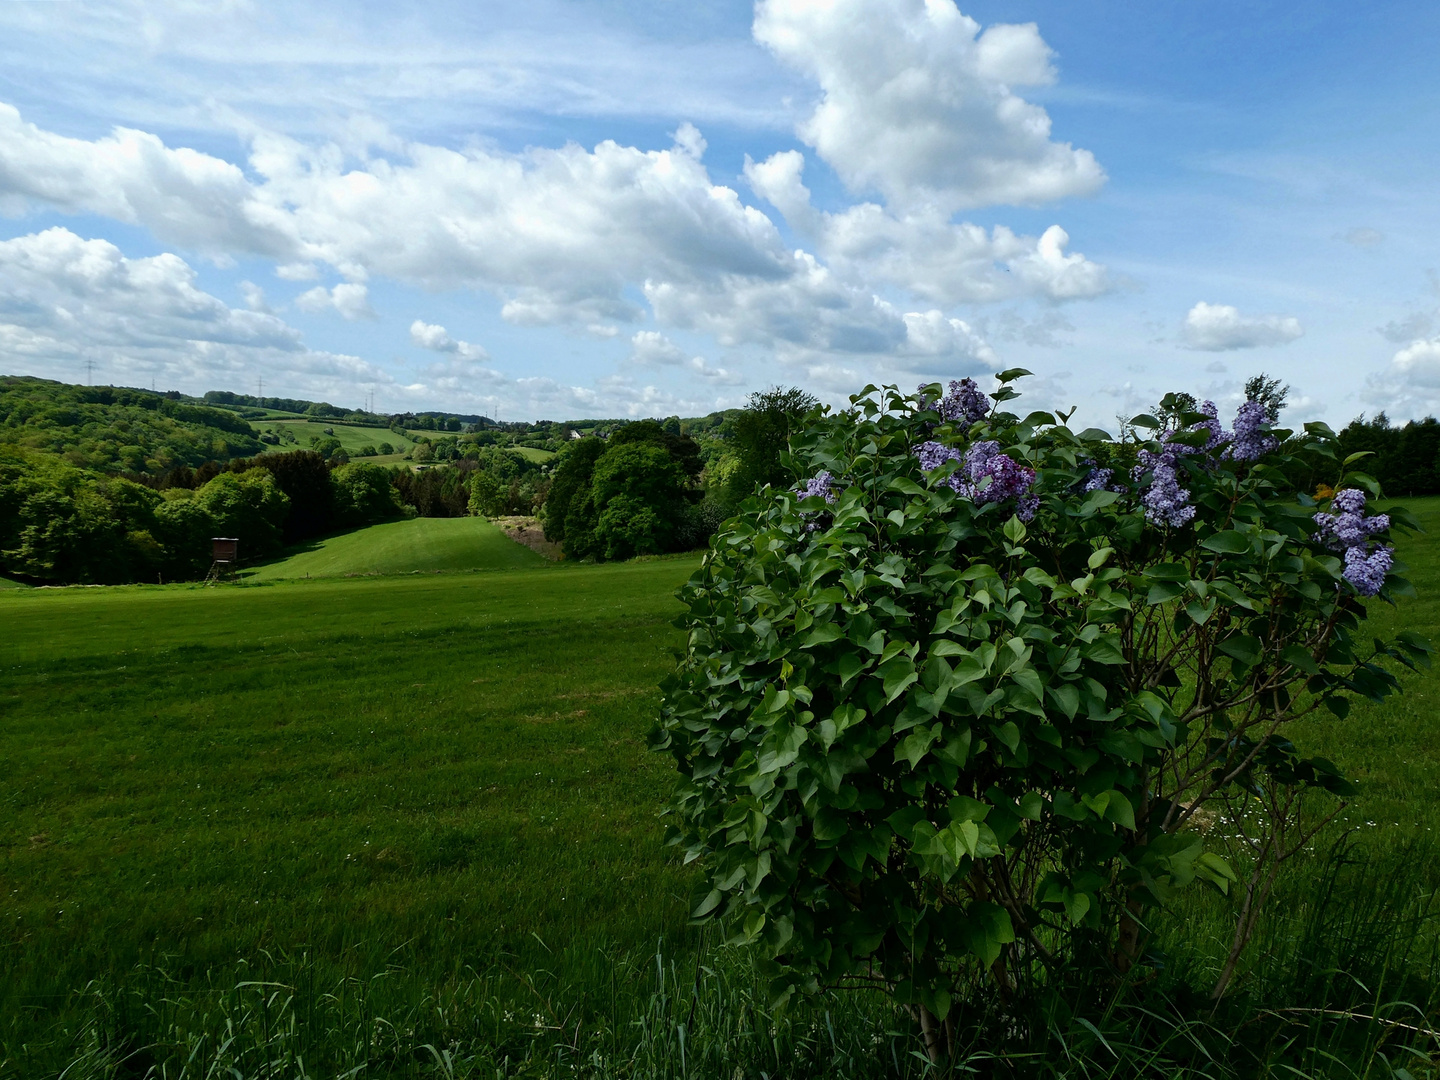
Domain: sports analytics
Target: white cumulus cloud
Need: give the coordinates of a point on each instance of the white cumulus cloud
(1220, 327)
(918, 104)
(923, 251)
(350, 299)
(66, 301)
(437, 339)
(932, 334)
(561, 236)
(1419, 363)
(254, 297)
(653, 349)
(1410, 387)
(182, 195)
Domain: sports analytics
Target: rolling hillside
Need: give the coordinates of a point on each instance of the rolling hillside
(423, 545)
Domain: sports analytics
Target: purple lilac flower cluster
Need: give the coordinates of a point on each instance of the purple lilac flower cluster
(1099, 478)
(1366, 570)
(985, 475)
(1250, 440)
(988, 476)
(933, 454)
(1218, 435)
(1347, 529)
(964, 402)
(822, 484)
(1165, 501)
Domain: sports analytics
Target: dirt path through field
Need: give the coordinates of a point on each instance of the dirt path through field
(528, 531)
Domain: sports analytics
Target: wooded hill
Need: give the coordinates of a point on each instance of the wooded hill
(114, 429)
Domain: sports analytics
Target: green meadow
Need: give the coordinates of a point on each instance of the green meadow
(352, 437)
(534, 453)
(421, 545)
(446, 769)
(407, 825)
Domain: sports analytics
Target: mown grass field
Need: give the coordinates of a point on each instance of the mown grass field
(422, 545)
(418, 810)
(444, 769)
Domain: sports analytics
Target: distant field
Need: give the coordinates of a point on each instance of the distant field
(424, 545)
(352, 438)
(535, 454)
(281, 414)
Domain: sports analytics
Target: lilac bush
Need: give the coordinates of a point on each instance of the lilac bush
(951, 738)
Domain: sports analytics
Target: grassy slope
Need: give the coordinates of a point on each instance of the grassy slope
(534, 453)
(401, 547)
(6, 583)
(448, 765)
(351, 438)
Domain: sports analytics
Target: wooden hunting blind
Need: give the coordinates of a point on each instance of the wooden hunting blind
(225, 549)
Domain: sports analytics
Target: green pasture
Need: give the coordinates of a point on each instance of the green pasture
(352, 438)
(534, 453)
(6, 583)
(348, 819)
(442, 770)
(421, 545)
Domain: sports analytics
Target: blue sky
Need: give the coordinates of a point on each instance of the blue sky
(561, 208)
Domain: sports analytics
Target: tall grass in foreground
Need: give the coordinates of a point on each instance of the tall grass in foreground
(1344, 987)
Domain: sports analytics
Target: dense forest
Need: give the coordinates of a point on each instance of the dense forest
(1406, 459)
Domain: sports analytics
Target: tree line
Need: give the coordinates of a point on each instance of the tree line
(70, 511)
(62, 524)
(1406, 460)
(650, 488)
